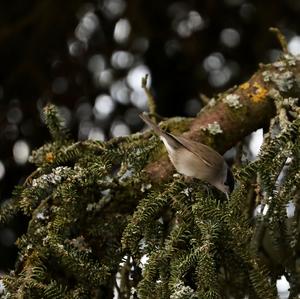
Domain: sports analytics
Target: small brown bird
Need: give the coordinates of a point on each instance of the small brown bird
(195, 159)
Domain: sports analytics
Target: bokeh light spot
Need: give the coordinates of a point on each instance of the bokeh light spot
(2, 170)
(214, 61)
(14, 115)
(65, 115)
(119, 128)
(96, 134)
(114, 8)
(230, 37)
(104, 105)
(186, 25)
(76, 47)
(87, 26)
(21, 151)
(84, 111)
(139, 99)
(121, 59)
(96, 64)
(294, 45)
(135, 76)
(283, 287)
(85, 127)
(105, 78)
(122, 31)
(256, 142)
(247, 11)
(195, 21)
(219, 78)
(120, 92)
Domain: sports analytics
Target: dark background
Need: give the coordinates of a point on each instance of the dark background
(88, 58)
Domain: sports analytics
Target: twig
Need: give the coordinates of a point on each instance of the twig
(158, 117)
(204, 98)
(151, 101)
(281, 38)
(29, 179)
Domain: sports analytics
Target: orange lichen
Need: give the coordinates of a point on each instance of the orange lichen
(49, 157)
(260, 93)
(245, 85)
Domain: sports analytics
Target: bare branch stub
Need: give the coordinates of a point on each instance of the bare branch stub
(281, 38)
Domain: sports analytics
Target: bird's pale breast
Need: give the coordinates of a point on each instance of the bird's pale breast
(189, 164)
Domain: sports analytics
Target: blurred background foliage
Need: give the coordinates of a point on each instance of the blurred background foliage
(88, 57)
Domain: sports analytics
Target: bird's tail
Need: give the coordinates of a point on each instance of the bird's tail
(170, 141)
(150, 123)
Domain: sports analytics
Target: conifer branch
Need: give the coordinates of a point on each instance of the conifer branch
(95, 215)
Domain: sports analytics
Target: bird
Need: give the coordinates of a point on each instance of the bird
(195, 159)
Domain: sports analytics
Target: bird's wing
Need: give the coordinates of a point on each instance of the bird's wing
(205, 153)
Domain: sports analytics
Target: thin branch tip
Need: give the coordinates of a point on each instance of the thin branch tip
(281, 38)
(150, 98)
(145, 81)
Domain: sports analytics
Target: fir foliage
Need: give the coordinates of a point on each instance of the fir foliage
(98, 226)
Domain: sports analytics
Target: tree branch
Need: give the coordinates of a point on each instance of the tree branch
(239, 111)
